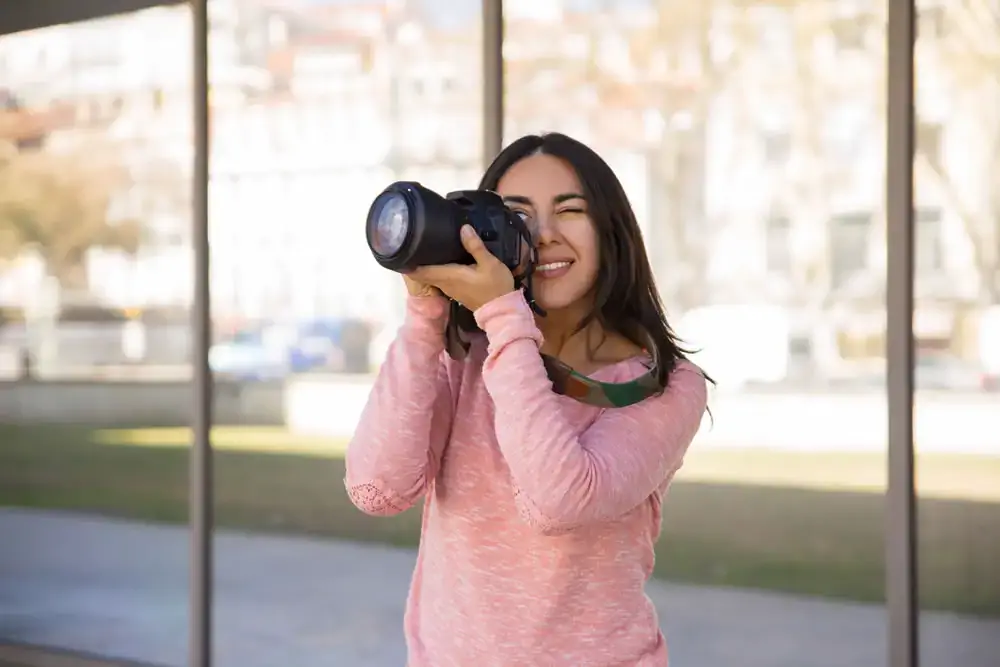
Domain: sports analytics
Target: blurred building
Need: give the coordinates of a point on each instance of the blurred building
(795, 186)
(750, 145)
(124, 82)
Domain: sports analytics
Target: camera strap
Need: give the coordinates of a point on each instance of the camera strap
(579, 387)
(565, 380)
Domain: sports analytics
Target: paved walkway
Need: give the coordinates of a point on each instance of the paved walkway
(119, 589)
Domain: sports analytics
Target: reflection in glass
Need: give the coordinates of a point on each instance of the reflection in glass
(750, 139)
(315, 108)
(95, 285)
(751, 142)
(957, 319)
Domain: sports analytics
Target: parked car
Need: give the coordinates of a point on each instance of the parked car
(272, 351)
(948, 373)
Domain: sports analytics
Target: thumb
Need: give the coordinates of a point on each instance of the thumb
(475, 246)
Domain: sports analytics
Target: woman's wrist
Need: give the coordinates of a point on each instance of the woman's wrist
(427, 305)
(507, 318)
(427, 315)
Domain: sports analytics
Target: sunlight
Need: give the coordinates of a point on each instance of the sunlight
(944, 476)
(239, 438)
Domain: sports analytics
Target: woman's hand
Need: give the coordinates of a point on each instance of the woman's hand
(470, 285)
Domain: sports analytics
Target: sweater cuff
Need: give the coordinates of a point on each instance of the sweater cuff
(506, 319)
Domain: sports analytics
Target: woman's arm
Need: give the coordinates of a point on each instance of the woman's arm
(397, 447)
(563, 480)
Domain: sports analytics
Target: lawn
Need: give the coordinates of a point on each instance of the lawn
(799, 522)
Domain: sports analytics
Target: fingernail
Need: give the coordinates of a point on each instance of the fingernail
(467, 232)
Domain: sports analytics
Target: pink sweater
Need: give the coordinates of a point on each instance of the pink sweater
(541, 512)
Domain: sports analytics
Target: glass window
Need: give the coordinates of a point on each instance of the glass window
(782, 491)
(957, 334)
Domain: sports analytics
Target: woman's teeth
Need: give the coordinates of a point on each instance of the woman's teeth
(554, 266)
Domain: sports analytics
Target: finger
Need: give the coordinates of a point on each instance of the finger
(475, 246)
(441, 274)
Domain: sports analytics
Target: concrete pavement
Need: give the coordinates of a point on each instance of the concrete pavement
(119, 589)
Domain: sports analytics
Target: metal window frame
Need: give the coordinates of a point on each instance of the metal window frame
(493, 81)
(900, 530)
(200, 486)
(21, 16)
(902, 603)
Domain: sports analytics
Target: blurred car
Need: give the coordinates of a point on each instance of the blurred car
(272, 351)
(948, 373)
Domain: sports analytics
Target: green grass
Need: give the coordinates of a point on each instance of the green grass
(799, 522)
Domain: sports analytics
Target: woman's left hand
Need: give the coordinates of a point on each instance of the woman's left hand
(470, 285)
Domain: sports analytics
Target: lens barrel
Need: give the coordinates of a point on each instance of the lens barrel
(409, 226)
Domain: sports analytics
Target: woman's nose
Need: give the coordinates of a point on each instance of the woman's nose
(544, 228)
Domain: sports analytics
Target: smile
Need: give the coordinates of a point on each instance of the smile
(553, 268)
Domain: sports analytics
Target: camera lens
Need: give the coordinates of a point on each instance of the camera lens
(410, 226)
(391, 224)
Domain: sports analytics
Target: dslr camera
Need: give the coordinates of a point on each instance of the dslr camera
(409, 226)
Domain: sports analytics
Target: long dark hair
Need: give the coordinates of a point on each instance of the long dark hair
(626, 300)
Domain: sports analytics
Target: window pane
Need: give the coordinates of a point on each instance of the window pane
(352, 97)
(750, 141)
(95, 289)
(316, 107)
(957, 332)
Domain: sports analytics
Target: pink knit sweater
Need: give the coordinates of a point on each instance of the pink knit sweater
(541, 512)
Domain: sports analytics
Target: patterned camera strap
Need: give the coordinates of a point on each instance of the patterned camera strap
(567, 382)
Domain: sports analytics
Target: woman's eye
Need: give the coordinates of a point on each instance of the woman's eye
(569, 211)
(523, 215)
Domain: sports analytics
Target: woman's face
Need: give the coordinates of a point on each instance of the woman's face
(546, 192)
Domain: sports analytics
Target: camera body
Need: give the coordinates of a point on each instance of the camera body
(410, 226)
(495, 224)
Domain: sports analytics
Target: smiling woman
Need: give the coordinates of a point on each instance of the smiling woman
(541, 493)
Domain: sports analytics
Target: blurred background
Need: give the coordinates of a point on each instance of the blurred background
(750, 137)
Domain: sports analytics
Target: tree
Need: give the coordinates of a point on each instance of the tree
(691, 80)
(59, 205)
(969, 54)
(966, 49)
(957, 50)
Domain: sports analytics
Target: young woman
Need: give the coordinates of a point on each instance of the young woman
(541, 509)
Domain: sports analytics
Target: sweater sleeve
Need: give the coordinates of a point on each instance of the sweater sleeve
(400, 438)
(563, 480)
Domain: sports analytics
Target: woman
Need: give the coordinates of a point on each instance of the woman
(541, 511)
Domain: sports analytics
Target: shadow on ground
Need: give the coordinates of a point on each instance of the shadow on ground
(825, 543)
(20, 655)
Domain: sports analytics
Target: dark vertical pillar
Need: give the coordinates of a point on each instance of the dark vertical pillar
(201, 322)
(901, 526)
(493, 84)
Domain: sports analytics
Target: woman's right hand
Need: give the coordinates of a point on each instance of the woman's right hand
(419, 289)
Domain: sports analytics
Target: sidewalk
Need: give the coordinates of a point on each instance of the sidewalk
(119, 589)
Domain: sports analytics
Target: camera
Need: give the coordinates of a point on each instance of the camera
(409, 226)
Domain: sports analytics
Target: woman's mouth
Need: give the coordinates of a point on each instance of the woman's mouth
(551, 270)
